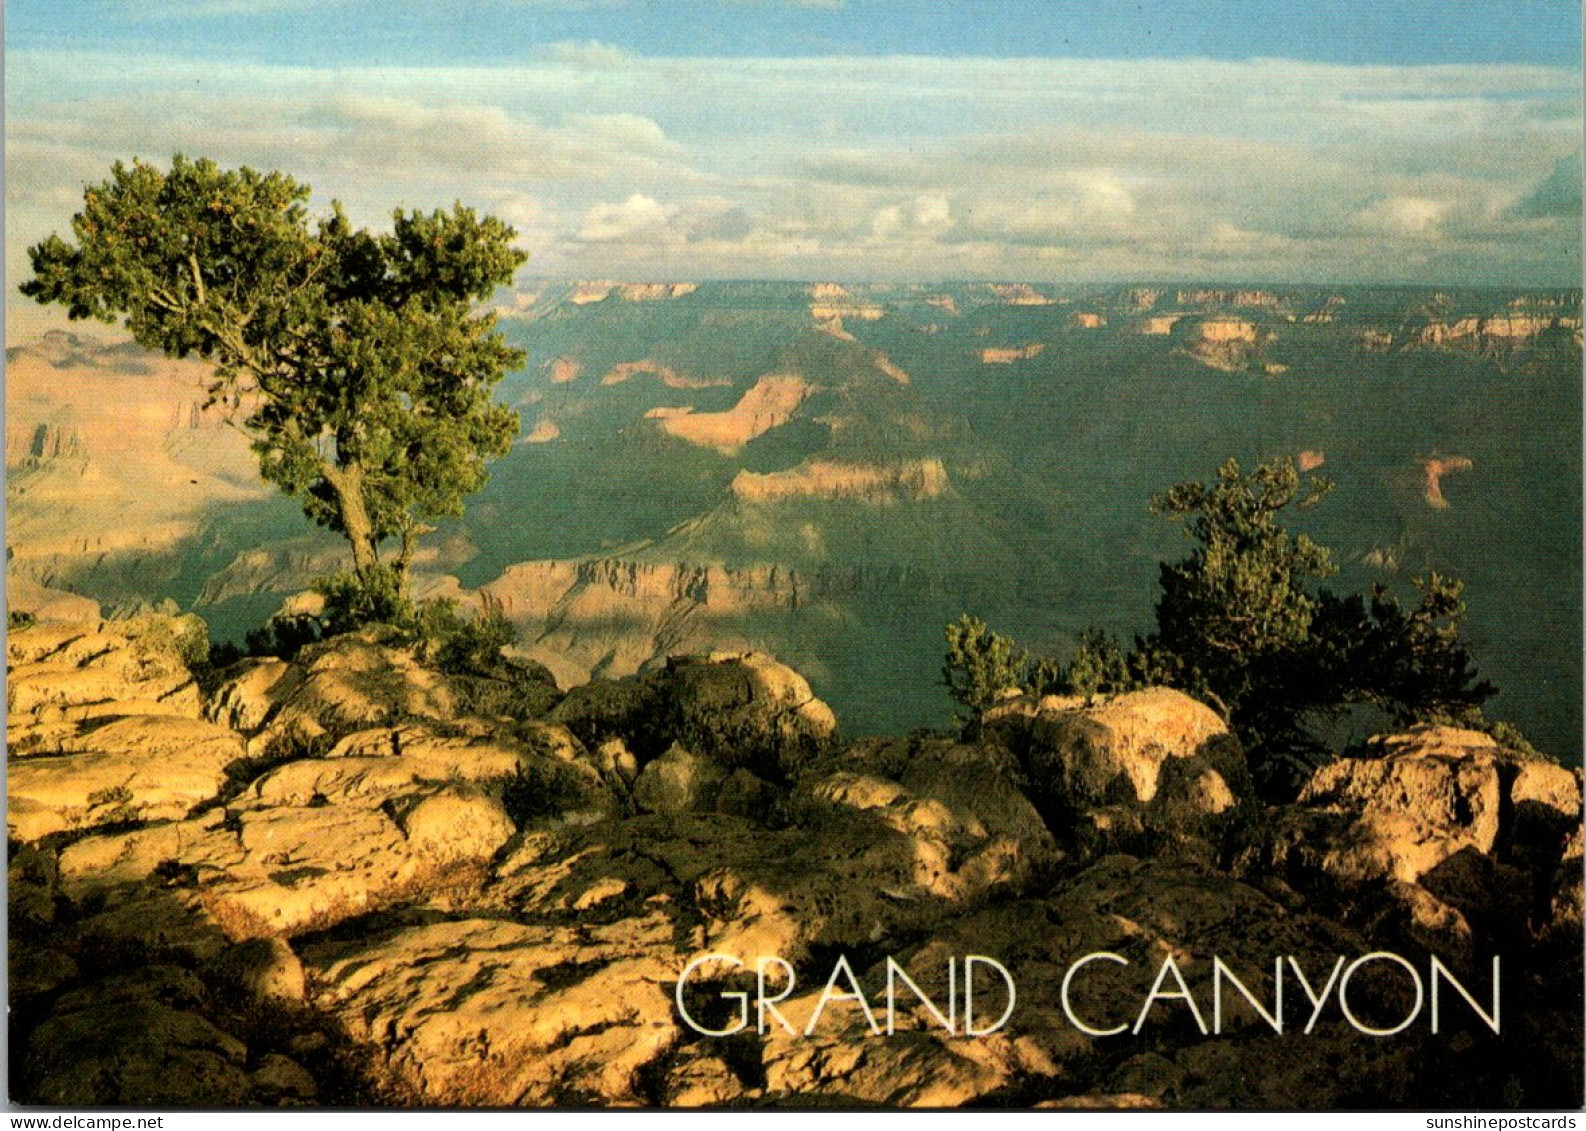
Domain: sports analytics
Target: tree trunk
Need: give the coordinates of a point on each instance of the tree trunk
(347, 482)
(404, 558)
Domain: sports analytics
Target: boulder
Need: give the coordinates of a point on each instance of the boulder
(746, 710)
(264, 970)
(1151, 769)
(345, 684)
(623, 708)
(457, 824)
(1418, 799)
(678, 782)
(1114, 751)
(970, 828)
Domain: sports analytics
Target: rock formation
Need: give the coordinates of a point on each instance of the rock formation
(1019, 294)
(351, 878)
(829, 479)
(114, 463)
(1436, 467)
(769, 404)
(998, 355)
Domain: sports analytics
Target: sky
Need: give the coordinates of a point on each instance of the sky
(1045, 140)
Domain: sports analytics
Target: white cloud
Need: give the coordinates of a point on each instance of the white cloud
(592, 54)
(1403, 216)
(638, 219)
(614, 164)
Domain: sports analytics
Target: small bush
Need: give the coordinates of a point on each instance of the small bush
(981, 667)
(356, 600)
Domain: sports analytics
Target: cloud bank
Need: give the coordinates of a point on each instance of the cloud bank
(615, 164)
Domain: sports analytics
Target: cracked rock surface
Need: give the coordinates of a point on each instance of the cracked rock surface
(342, 879)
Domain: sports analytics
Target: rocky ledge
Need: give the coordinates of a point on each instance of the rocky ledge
(354, 879)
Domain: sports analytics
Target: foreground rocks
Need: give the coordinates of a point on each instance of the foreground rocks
(353, 879)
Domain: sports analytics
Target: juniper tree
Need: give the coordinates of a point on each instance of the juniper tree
(355, 360)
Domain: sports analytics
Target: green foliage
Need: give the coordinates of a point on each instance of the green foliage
(1242, 624)
(1238, 607)
(981, 667)
(281, 636)
(354, 358)
(1252, 632)
(1099, 667)
(354, 600)
(17, 620)
(462, 645)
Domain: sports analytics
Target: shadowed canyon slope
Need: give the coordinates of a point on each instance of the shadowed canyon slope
(832, 472)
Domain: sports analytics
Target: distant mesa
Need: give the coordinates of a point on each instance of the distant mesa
(63, 349)
(1436, 467)
(943, 302)
(667, 412)
(1376, 341)
(627, 370)
(1496, 331)
(1324, 314)
(563, 370)
(769, 404)
(599, 290)
(910, 480)
(545, 430)
(1225, 330)
(1086, 320)
(833, 302)
(1142, 298)
(1261, 300)
(622, 371)
(1311, 459)
(863, 311)
(834, 328)
(887, 366)
(1274, 368)
(1221, 342)
(1019, 294)
(1007, 355)
(1159, 324)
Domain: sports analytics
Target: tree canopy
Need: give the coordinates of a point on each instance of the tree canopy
(1243, 624)
(356, 360)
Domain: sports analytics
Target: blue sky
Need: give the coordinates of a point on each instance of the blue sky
(854, 139)
(427, 31)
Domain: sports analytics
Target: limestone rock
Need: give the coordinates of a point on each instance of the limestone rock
(265, 970)
(281, 1080)
(136, 768)
(747, 710)
(678, 782)
(457, 824)
(1430, 794)
(252, 691)
(604, 708)
(135, 1039)
(61, 676)
(737, 709)
(347, 683)
(488, 1012)
(970, 828)
(1114, 752)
